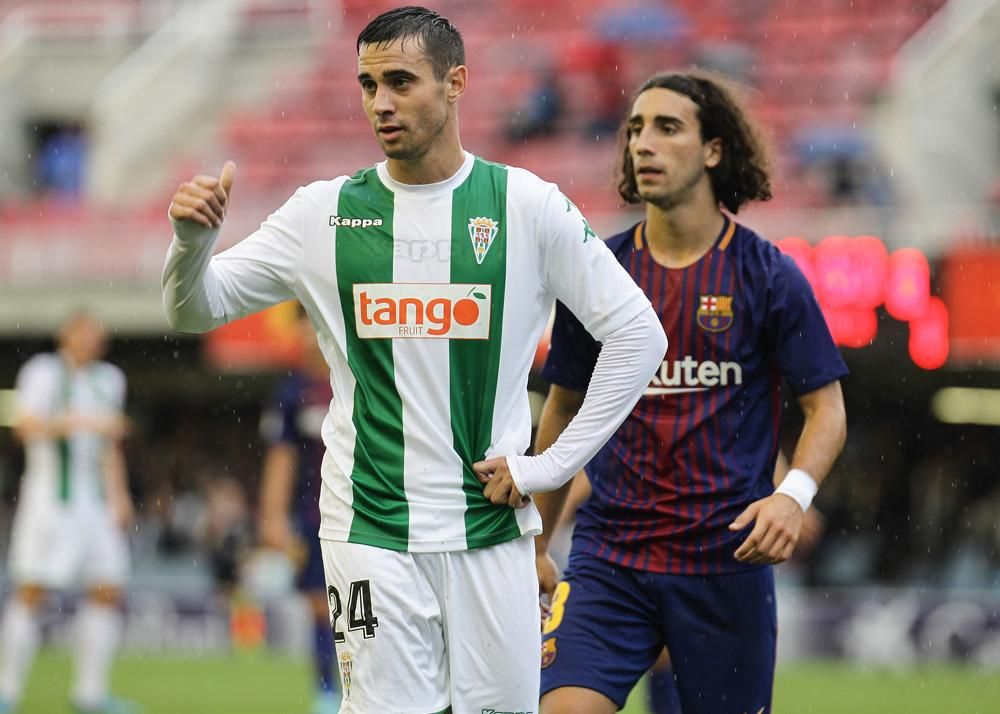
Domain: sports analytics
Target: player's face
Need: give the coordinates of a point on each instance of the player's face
(84, 338)
(669, 158)
(406, 104)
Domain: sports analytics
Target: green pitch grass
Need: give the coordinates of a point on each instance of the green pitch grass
(262, 684)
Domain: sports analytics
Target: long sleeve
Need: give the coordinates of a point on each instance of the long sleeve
(202, 292)
(630, 356)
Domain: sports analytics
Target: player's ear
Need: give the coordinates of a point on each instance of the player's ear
(455, 82)
(713, 152)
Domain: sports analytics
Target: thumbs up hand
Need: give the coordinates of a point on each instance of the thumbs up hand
(204, 199)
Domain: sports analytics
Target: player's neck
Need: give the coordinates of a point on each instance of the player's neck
(438, 163)
(71, 360)
(680, 236)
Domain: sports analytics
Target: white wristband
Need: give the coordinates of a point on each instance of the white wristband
(800, 487)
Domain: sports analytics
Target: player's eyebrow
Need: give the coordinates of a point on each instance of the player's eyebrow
(663, 119)
(389, 75)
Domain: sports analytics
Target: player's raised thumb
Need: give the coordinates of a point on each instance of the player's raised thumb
(745, 518)
(227, 177)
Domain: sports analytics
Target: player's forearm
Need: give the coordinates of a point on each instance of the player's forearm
(276, 484)
(115, 474)
(628, 359)
(28, 428)
(557, 413)
(824, 432)
(781, 468)
(191, 291)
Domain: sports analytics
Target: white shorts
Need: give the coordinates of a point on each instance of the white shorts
(67, 546)
(419, 632)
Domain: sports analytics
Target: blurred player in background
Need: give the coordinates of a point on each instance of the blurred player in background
(429, 278)
(289, 497)
(676, 542)
(72, 514)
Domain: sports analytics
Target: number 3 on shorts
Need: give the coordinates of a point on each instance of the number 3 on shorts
(556, 608)
(359, 610)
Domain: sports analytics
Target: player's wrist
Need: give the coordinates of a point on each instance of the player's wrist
(800, 487)
(514, 466)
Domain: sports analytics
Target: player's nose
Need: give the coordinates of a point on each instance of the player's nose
(643, 145)
(383, 103)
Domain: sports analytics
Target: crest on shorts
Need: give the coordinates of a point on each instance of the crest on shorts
(346, 667)
(482, 231)
(715, 312)
(548, 652)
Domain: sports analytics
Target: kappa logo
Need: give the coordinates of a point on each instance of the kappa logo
(422, 310)
(588, 232)
(487, 710)
(351, 222)
(482, 231)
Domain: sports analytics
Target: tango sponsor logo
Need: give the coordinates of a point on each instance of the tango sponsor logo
(422, 310)
(688, 375)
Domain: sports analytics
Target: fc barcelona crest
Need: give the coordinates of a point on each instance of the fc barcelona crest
(715, 312)
(548, 652)
(482, 231)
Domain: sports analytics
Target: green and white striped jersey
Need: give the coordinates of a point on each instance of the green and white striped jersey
(428, 301)
(68, 470)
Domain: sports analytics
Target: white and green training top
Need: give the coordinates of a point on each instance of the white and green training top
(60, 472)
(428, 301)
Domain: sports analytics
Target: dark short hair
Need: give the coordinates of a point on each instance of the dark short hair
(743, 173)
(439, 39)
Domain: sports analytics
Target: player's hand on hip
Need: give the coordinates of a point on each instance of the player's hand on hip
(777, 522)
(113, 426)
(204, 199)
(499, 483)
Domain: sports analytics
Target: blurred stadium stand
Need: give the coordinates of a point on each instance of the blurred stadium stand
(883, 116)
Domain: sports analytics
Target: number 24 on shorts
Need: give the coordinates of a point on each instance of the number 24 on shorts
(359, 610)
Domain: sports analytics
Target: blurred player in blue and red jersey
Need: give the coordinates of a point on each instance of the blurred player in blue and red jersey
(675, 546)
(289, 503)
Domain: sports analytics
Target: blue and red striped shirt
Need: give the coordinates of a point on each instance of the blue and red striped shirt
(701, 444)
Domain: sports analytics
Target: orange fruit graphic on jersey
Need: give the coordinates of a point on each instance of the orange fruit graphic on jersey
(466, 311)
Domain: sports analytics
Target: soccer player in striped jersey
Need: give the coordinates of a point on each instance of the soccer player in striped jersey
(74, 507)
(429, 278)
(676, 544)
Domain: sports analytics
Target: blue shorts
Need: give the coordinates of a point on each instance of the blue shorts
(608, 624)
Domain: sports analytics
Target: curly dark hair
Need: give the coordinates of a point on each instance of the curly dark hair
(743, 173)
(439, 39)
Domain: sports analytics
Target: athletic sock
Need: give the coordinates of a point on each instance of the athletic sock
(19, 637)
(98, 629)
